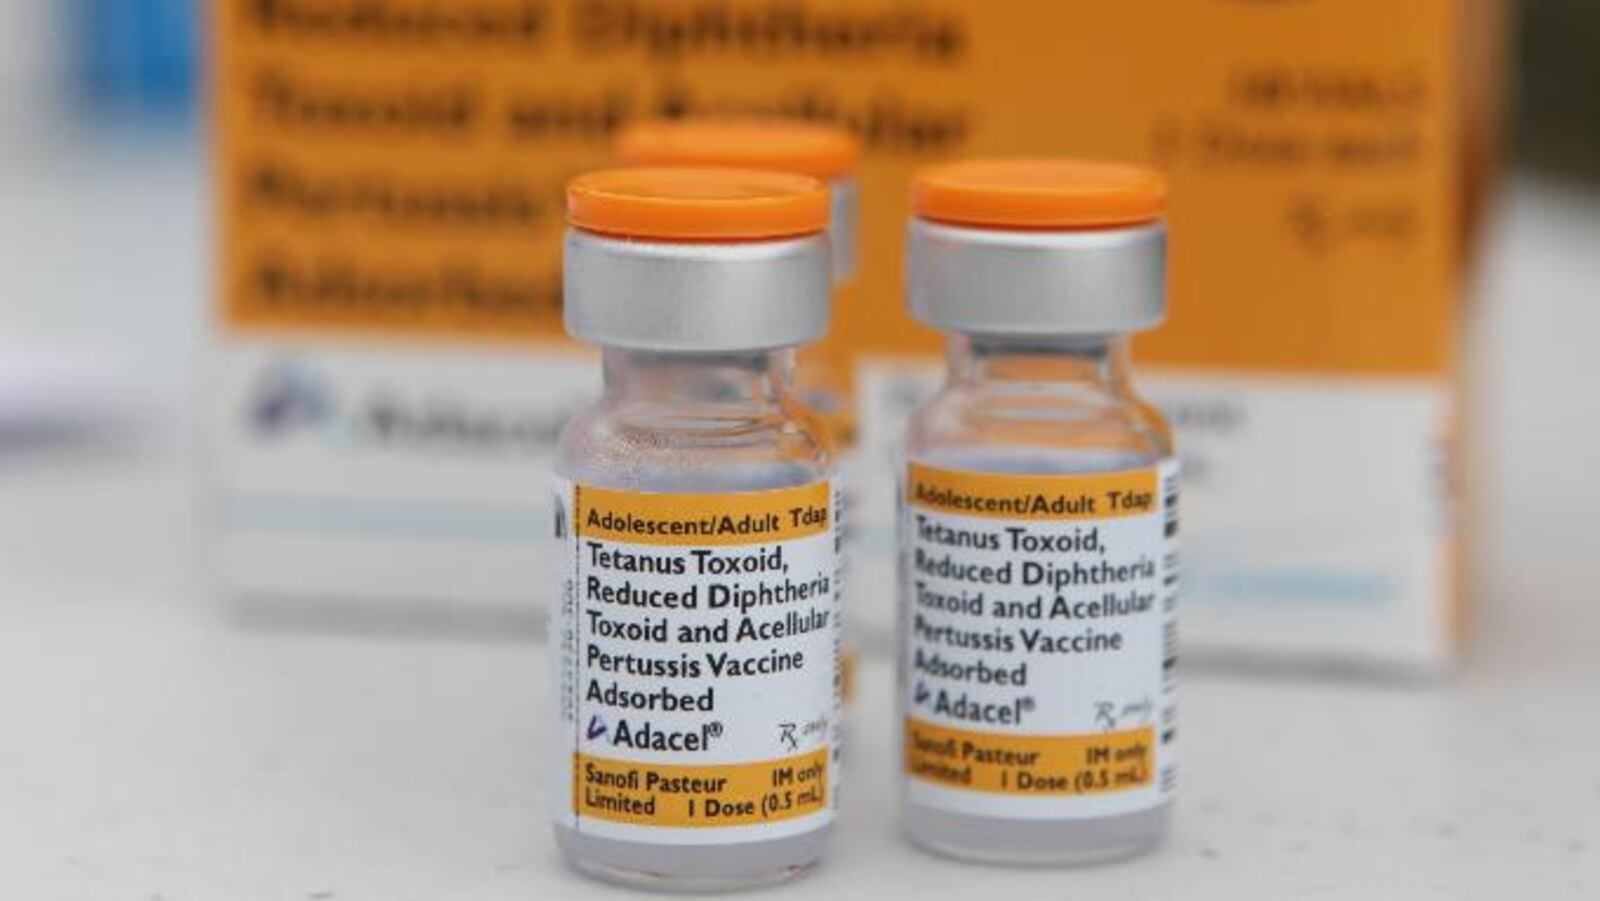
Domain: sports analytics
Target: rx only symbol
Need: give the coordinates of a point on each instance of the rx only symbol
(597, 727)
(1105, 713)
(787, 736)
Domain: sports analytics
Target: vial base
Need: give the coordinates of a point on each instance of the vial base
(1042, 843)
(692, 869)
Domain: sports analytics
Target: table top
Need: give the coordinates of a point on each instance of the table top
(160, 750)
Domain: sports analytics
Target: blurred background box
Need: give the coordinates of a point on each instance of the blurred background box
(390, 368)
(1328, 163)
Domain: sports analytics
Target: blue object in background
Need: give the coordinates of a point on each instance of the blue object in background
(133, 59)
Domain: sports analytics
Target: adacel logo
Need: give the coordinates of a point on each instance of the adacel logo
(294, 395)
(290, 394)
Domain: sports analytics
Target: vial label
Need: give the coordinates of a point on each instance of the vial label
(697, 641)
(1040, 641)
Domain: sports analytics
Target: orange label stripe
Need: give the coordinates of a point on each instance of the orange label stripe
(745, 517)
(1033, 497)
(708, 796)
(1039, 765)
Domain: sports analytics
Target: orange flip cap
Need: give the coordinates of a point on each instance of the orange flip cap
(781, 145)
(697, 204)
(1038, 193)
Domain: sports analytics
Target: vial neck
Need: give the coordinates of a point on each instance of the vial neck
(1090, 362)
(743, 378)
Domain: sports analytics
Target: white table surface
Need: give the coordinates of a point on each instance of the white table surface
(152, 750)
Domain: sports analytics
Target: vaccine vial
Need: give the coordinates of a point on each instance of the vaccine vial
(825, 369)
(1039, 570)
(696, 628)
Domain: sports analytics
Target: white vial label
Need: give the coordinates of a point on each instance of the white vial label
(1040, 641)
(696, 637)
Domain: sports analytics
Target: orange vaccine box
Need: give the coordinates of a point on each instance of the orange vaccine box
(390, 368)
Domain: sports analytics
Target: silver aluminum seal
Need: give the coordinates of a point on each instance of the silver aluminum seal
(844, 227)
(1037, 282)
(696, 297)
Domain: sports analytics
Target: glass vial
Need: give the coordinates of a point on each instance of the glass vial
(826, 152)
(1039, 570)
(695, 633)
(825, 369)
